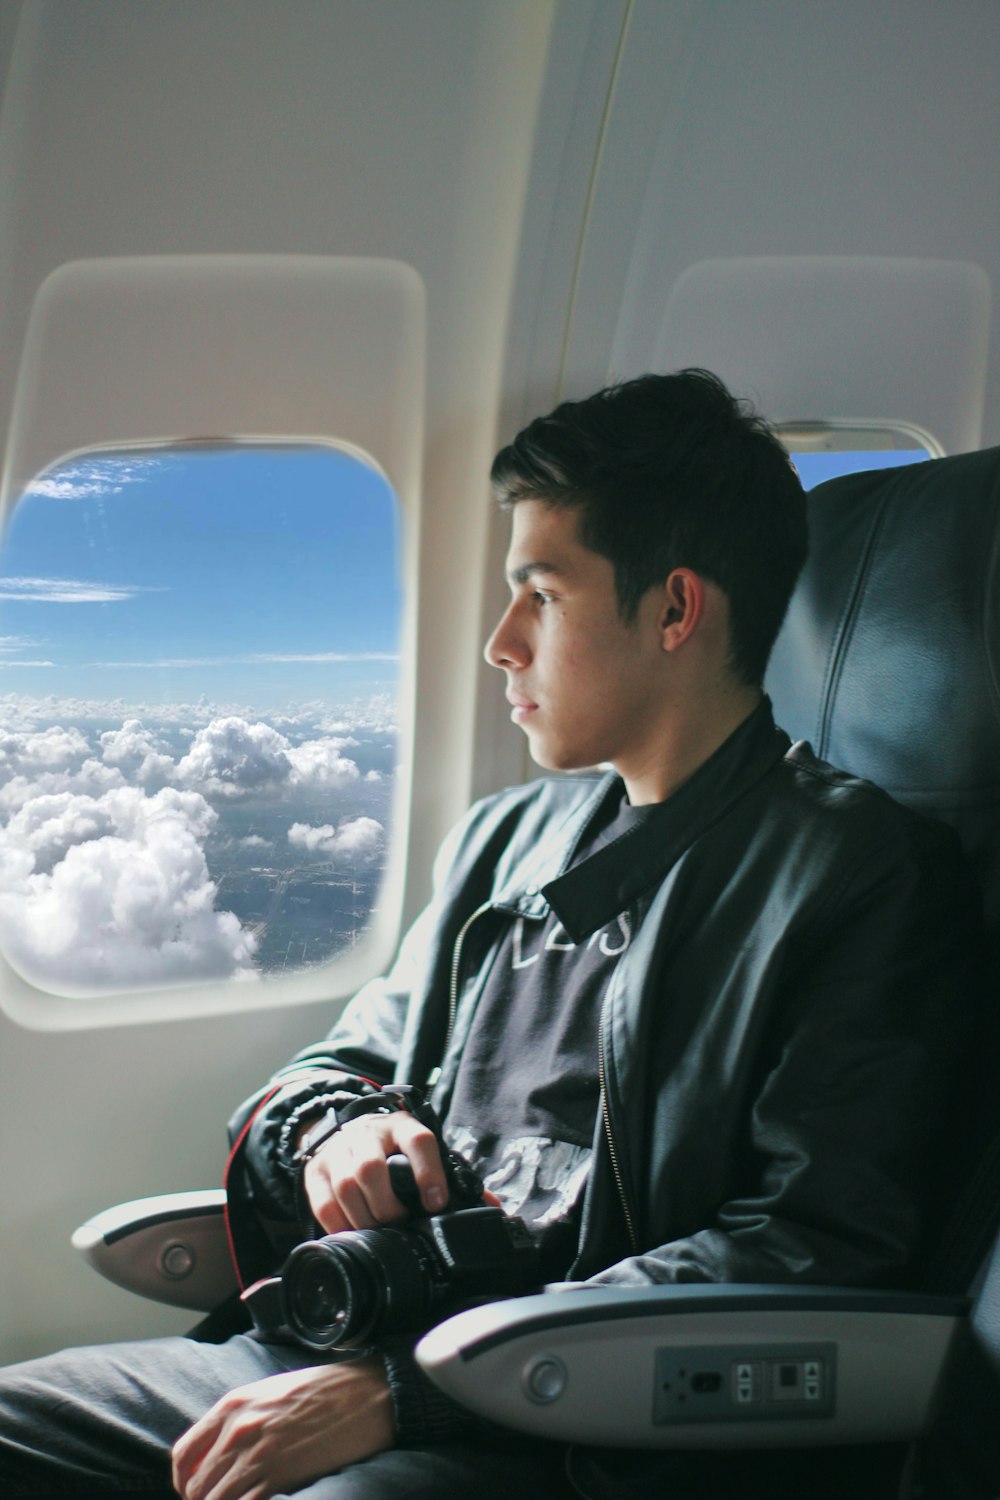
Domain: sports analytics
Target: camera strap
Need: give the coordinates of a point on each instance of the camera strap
(389, 1100)
(250, 1250)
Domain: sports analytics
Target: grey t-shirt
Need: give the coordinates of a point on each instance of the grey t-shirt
(526, 1092)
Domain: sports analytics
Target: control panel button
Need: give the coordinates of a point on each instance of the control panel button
(177, 1260)
(544, 1379)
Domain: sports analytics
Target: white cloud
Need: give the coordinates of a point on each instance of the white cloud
(319, 763)
(51, 748)
(359, 837)
(92, 779)
(172, 663)
(253, 659)
(303, 836)
(104, 880)
(114, 891)
(24, 711)
(46, 762)
(325, 656)
(356, 838)
(232, 757)
(375, 716)
(50, 825)
(137, 753)
(66, 591)
(11, 644)
(95, 476)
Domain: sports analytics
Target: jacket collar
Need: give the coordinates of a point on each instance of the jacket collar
(590, 894)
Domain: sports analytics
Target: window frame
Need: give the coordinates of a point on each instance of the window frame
(343, 343)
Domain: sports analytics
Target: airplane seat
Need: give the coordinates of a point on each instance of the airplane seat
(889, 659)
(888, 664)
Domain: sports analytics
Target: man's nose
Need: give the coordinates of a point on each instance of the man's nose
(505, 648)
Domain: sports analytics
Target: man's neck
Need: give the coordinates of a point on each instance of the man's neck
(686, 743)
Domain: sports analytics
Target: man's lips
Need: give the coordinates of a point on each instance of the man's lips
(521, 708)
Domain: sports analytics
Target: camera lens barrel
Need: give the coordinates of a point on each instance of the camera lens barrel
(339, 1290)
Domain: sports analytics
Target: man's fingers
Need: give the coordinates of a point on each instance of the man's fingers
(419, 1145)
(336, 1203)
(190, 1450)
(369, 1142)
(372, 1182)
(225, 1453)
(347, 1182)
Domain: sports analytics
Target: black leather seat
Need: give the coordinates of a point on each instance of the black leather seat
(889, 664)
(889, 660)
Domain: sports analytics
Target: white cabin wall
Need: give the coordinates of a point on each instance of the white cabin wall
(791, 129)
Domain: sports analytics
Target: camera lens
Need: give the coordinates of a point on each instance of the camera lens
(340, 1290)
(332, 1291)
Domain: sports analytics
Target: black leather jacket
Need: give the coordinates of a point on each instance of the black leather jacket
(779, 1044)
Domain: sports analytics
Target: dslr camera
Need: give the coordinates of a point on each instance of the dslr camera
(345, 1290)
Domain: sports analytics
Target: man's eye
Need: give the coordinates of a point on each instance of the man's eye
(540, 597)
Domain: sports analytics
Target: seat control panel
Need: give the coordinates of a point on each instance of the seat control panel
(752, 1383)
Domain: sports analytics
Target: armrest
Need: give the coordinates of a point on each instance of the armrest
(700, 1367)
(171, 1248)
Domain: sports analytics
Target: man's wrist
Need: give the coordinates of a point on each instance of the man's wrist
(312, 1103)
(422, 1413)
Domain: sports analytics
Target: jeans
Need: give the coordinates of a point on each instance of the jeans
(99, 1424)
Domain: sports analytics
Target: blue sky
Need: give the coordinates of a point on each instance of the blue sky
(118, 569)
(815, 467)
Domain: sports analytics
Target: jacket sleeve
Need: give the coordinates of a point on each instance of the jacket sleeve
(852, 1123)
(362, 1048)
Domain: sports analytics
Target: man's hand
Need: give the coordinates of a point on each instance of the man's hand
(347, 1181)
(277, 1434)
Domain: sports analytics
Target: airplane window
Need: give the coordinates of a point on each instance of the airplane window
(813, 468)
(824, 450)
(198, 678)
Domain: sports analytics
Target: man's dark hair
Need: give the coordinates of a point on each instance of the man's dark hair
(672, 471)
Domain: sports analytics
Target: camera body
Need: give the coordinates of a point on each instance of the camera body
(344, 1290)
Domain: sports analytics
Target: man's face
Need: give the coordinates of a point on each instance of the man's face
(580, 680)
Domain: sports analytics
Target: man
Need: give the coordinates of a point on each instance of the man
(695, 1019)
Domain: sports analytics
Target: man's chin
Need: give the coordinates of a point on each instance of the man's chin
(543, 755)
(554, 758)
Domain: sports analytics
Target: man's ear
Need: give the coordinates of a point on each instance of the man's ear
(682, 607)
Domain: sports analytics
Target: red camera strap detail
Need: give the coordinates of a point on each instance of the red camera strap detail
(241, 1222)
(234, 1155)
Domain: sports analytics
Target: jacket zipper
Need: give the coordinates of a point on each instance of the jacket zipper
(456, 959)
(610, 1138)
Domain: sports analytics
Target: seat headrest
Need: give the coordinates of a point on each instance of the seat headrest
(888, 660)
